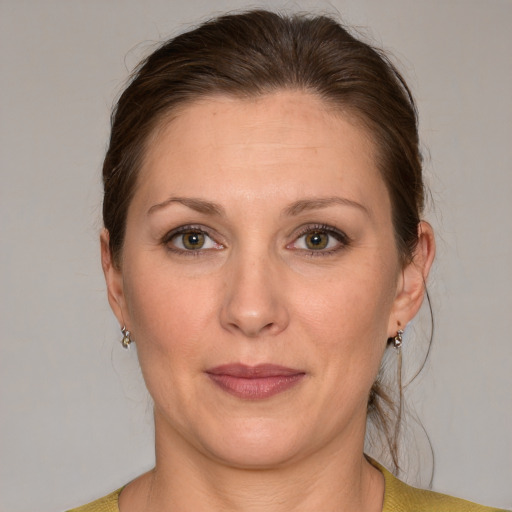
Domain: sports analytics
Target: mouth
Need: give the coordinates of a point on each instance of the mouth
(254, 382)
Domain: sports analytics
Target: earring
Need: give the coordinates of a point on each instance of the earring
(397, 340)
(126, 337)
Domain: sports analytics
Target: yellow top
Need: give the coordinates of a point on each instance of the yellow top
(398, 497)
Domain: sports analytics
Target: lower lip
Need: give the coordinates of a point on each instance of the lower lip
(256, 388)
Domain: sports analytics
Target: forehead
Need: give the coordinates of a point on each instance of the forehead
(289, 143)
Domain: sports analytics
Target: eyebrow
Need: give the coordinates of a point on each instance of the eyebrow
(199, 205)
(322, 202)
(211, 208)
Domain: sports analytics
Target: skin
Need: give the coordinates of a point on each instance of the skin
(255, 293)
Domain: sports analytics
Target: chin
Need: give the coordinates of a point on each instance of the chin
(259, 444)
(256, 456)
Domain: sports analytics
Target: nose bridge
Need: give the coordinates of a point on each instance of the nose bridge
(254, 302)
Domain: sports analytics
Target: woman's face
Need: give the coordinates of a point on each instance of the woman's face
(260, 278)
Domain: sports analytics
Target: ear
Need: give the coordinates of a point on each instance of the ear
(411, 283)
(113, 279)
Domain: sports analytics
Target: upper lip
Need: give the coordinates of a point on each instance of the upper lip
(259, 371)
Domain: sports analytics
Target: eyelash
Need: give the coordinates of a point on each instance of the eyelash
(168, 238)
(342, 238)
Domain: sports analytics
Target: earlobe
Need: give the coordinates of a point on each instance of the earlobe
(113, 278)
(411, 286)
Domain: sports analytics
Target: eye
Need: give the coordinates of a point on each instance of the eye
(320, 239)
(316, 240)
(190, 240)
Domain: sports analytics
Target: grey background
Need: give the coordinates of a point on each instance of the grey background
(75, 419)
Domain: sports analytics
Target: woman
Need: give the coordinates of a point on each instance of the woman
(263, 247)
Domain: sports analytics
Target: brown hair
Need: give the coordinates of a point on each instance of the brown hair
(255, 53)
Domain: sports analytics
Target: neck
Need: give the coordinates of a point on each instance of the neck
(336, 479)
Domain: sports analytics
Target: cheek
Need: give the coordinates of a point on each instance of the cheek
(348, 316)
(355, 296)
(169, 313)
(170, 319)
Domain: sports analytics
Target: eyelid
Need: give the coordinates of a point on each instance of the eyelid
(322, 227)
(173, 233)
(343, 239)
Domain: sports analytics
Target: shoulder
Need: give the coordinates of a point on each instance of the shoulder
(108, 503)
(404, 498)
(400, 497)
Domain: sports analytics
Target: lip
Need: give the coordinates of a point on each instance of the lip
(254, 382)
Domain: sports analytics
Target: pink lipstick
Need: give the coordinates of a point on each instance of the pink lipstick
(254, 382)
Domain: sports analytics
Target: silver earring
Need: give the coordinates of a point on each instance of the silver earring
(126, 337)
(397, 340)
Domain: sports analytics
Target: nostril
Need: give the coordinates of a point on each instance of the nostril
(253, 326)
(254, 329)
(269, 327)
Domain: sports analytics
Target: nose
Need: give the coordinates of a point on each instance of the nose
(254, 302)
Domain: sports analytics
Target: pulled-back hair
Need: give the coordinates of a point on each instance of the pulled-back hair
(256, 53)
